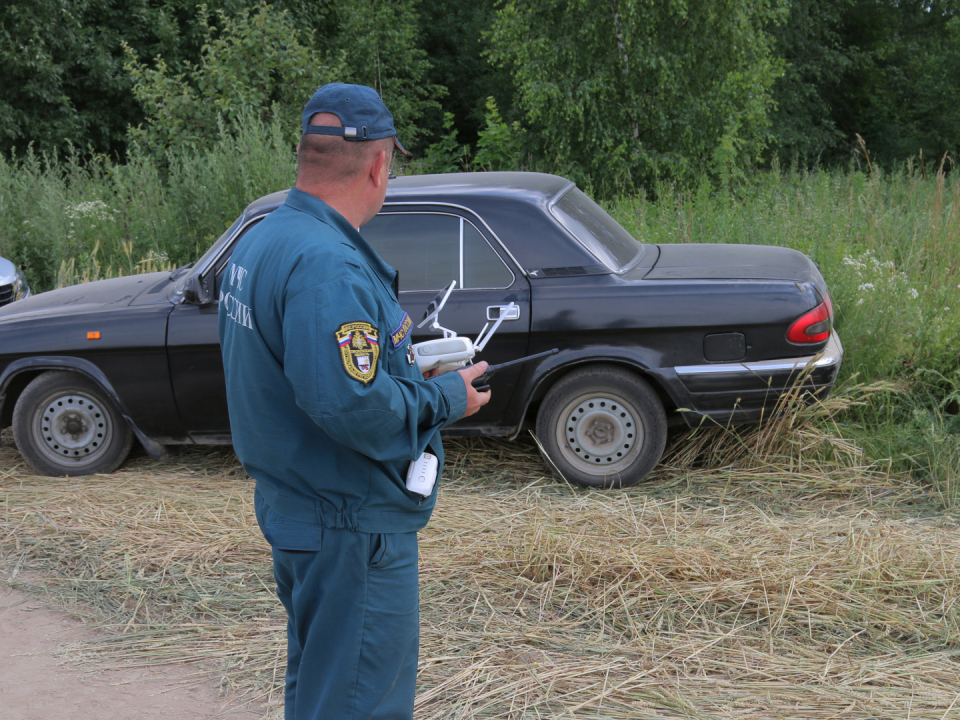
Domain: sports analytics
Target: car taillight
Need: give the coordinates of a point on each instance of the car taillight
(813, 326)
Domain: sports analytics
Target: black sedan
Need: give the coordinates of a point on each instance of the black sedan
(649, 335)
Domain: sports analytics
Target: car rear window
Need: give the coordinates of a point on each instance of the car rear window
(596, 230)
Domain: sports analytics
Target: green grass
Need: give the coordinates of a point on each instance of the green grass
(888, 244)
(65, 219)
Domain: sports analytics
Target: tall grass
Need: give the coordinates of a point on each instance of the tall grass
(888, 244)
(69, 218)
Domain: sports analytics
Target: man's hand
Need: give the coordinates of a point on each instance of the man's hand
(431, 373)
(475, 400)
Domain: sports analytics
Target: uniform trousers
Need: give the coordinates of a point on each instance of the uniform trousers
(353, 626)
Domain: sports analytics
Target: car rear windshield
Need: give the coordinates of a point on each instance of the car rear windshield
(596, 230)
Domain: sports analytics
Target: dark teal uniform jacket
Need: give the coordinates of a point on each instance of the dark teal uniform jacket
(326, 409)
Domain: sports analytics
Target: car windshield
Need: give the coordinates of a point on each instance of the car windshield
(208, 255)
(596, 230)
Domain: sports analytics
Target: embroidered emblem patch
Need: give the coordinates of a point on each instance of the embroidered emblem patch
(403, 329)
(359, 350)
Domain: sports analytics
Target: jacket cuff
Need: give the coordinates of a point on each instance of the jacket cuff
(455, 391)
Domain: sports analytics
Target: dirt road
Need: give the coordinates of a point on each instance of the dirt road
(37, 685)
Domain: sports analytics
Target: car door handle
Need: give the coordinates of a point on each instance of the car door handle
(494, 311)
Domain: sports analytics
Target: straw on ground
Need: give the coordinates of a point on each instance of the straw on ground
(783, 586)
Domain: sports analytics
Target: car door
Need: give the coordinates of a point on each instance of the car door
(196, 363)
(429, 247)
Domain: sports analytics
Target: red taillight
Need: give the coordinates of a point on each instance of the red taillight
(813, 326)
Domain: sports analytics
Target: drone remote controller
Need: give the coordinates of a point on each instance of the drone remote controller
(450, 352)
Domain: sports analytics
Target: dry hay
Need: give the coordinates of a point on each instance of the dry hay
(739, 592)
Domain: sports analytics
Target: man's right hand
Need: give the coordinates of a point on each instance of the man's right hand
(475, 400)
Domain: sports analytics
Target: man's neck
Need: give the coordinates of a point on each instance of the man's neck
(338, 201)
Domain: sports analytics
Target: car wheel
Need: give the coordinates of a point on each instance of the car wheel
(64, 424)
(602, 427)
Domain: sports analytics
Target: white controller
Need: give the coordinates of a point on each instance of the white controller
(450, 352)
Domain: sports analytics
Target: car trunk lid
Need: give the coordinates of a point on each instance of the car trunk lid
(705, 261)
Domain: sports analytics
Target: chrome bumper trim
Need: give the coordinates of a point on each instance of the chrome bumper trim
(832, 354)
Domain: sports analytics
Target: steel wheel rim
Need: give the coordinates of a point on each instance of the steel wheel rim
(599, 433)
(72, 428)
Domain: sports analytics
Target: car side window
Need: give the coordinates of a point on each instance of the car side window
(431, 249)
(423, 247)
(482, 267)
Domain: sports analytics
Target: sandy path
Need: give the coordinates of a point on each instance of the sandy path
(35, 685)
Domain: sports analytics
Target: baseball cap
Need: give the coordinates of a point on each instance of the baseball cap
(360, 109)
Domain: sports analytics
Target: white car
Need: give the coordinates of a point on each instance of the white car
(13, 285)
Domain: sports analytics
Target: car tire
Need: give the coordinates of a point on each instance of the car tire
(602, 427)
(65, 425)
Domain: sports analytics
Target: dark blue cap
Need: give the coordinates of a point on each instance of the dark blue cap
(360, 109)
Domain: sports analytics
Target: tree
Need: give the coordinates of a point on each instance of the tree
(380, 41)
(62, 63)
(888, 70)
(909, 95)
(624, 91)
(454, 38)
(817, 60)
(256, 62)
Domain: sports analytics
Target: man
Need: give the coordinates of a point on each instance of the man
(328, 410)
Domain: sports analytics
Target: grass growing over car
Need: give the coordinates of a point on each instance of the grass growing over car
(773, 573)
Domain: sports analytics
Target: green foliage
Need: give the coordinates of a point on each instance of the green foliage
(884, 69)
(626, 91)
(500, 145)
(64, 217)
(380, 42)
(816, 61)
(62, 63)
(454, 38)
(445, 155)
(255, 62)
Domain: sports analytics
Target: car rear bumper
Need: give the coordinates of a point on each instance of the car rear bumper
(744, 392)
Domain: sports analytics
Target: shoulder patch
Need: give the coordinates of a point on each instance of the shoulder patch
(359, 350)
(403, 329)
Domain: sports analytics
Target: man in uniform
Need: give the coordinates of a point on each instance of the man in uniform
(328, 410)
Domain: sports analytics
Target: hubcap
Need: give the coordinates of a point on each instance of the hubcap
(72, 429)
(599, 433)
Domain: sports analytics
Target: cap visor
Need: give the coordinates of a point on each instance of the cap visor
(399, 146)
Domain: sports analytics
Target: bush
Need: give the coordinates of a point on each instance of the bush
(256, 64)
(109, 219)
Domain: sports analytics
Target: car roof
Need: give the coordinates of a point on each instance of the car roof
(537, 188)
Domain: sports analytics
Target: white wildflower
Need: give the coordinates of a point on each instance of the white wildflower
(96, 209)
(860, 301)
(914, 294)
(866, 286)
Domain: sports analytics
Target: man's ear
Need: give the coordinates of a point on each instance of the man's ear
(376, 167)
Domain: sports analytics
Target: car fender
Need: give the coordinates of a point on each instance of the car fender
(90, 371)
(536, 381)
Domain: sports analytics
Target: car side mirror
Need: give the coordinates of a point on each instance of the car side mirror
(190, 291)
